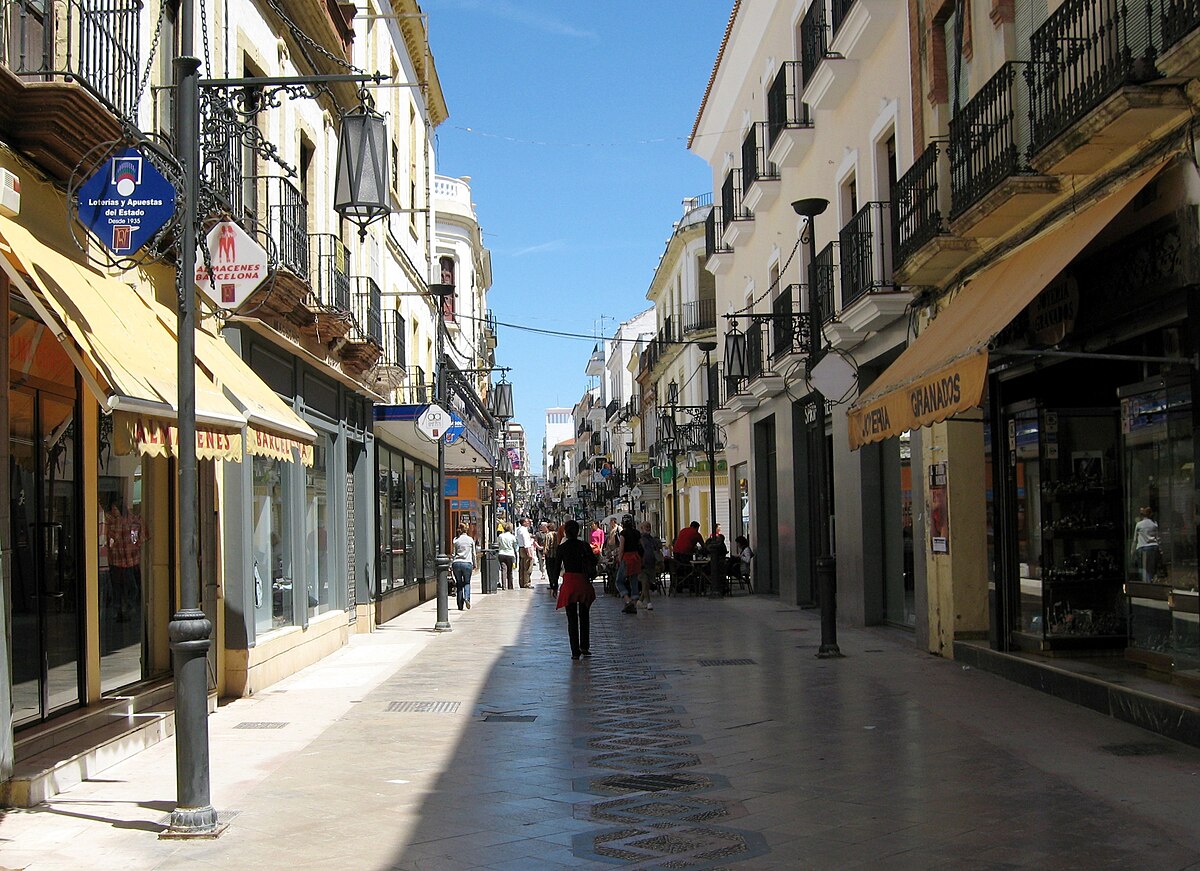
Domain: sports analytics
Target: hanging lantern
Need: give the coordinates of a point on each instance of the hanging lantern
(735, 353)
(502, 401)
(361, 186)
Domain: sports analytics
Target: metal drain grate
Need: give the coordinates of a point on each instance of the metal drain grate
(251, 724)
(1136, 749)
(508, 718)
(711, 662)
(652, 782)
(423, 707)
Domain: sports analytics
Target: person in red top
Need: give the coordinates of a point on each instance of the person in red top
(687, 542)
(124, 531)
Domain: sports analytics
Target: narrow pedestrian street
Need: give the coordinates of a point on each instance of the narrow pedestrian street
(701, 735)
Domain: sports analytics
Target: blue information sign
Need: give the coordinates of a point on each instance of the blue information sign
(126, 202)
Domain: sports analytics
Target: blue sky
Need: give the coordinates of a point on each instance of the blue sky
(572, 119)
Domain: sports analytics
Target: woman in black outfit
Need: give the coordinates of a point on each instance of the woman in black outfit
(576, 592)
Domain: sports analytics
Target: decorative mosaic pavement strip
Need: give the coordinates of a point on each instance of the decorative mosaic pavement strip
(654, 816)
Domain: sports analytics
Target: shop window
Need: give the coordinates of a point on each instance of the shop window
(273, 608)
(317, 556)
(396, 534)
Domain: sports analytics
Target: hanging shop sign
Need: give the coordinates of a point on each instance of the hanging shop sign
(238, 263)
(125, 202)
(433, 422)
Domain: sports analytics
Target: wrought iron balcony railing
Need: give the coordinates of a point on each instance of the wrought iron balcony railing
(916, 204)
(394, 350)
(755, 165)
(329, 271)
(368, 309)
(281, 213)
(825, 273)
(93, 42)
(866, 252)
(814, 41)
(731, 198)
(714, 229)
(699, 315)
(838, 10)
(416, 390)
(1082, 53)
(784, 107)
(989, 138)
(791, 328)
(611, 409)
(1179, 18)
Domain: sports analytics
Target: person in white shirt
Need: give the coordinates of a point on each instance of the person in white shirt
(525, 553)
(1145, 545)
(462, 561)
(506, 545)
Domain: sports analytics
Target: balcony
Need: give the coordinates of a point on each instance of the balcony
(1088, 95)
(993, 188)
(764, 380)
(700, 316)
(610, 410)
(68, 74)
(329, 278)
(828, 276)
(394, 328)
(824, 86)
(364, 342)
(870, 298)
(922, 248)
(760, 177)
(277, 216)
(718, 255)
(789, 122)
(791, 331)
(738, 218)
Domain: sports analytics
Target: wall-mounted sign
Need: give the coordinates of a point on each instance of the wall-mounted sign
(126, 202)
(939, 513)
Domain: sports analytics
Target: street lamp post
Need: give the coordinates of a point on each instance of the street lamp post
(709, 435)
(361, 167)
(439, 293)
(826, 560)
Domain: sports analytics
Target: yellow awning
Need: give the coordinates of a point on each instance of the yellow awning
(944, 371)
(127, 358)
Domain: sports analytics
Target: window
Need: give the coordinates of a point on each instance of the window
(317, 556)
(271, 546)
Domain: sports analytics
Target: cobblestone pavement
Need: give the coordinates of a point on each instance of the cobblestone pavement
(701, 735)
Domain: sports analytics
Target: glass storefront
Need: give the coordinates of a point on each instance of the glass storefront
(317, 554)
(125, 563)
(899, 593)
(47, 577)
(270, 537)
(406, 519)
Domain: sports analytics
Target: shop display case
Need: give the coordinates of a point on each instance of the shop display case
(1069, 503)
(1158, 462)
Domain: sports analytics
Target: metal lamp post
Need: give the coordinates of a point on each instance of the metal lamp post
(826, 561)
(189, 630)
(439, 293)
(666, 436)
(502, 410)
(709, 435)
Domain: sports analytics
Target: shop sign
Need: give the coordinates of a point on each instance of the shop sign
(125, 202)
(433, 422)
(939, 514)
(238, 264)
(1053, 311)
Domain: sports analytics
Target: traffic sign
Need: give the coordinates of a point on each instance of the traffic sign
(456, 430)
(239, 265)
(433, 422)
(125, 202)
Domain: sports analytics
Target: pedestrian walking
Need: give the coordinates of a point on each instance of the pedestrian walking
(596, 539)
(506, 551)
(462, 562)
(576, 593)
(651, 558)
(524, 553)
(539, 544)
(553, 562)
(630, 564)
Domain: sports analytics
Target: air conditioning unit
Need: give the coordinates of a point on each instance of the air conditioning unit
(10, 194)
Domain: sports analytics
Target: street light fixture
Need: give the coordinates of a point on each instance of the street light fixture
(438, 294)
(826, 562)
(361, 186)
(189, 630)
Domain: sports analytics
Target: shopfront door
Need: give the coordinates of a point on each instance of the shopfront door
(47, 582)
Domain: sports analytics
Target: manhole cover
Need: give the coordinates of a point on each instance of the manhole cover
(711, 662)
(507, 718)
(259, 725)
(423, 707)
(1136, 749)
